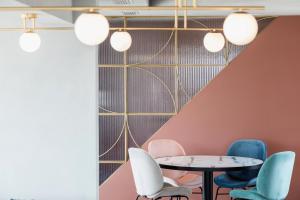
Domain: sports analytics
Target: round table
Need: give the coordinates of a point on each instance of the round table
(207, 165)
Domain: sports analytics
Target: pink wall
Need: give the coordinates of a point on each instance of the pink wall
(256, 96)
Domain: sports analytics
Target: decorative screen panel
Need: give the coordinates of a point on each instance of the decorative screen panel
(141, 89)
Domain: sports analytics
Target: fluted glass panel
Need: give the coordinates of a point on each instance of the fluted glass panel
(106, 170)
(151, 47)
(111, 138)
(143, 127)
(193, 79)
(146, 44)
(111, 90)
(151, 89)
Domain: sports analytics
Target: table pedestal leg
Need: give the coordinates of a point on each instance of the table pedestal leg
(207, 185)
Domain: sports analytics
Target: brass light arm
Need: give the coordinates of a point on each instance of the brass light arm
(149, 8)
(120, 28)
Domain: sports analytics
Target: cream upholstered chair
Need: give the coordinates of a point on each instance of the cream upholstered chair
(167, 147)
(148, 178)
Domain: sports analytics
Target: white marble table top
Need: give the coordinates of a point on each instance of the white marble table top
(218, 163)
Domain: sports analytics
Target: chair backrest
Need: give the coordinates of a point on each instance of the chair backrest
(273, 181)
(166, 147)
(247, 148)
(147, 174)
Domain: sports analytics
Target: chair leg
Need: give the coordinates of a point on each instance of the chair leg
(179, 197)
(201, 189)
(217, 192)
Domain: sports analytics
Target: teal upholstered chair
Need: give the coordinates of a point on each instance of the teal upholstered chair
(273, 181)
(245, 178)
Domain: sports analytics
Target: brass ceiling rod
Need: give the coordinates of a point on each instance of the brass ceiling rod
(179, 16)
(118, 28)
(149, 8)
(165, 29)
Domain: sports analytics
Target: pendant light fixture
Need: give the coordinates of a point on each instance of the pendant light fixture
(29, 41)
(240, 28)
(120, 41)
(91, 28)
(214, 42)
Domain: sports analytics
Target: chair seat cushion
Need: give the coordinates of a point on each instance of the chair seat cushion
(168, 191)
(226, 181)
(191, 181)
(170, 181)
(247, 194)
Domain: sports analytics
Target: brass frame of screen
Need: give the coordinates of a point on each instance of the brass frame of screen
(125, 66)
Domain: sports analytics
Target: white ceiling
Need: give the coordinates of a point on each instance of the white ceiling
(63, 15)
(272, 7)
(13, 19)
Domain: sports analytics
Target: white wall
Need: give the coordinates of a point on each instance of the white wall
(48, 119)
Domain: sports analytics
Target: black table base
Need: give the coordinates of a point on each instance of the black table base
(208, 185)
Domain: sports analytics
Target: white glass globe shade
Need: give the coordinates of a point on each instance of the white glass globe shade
(214, 42)
(120, 41)
(30, 41)
(91, 28)
(240, 28)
